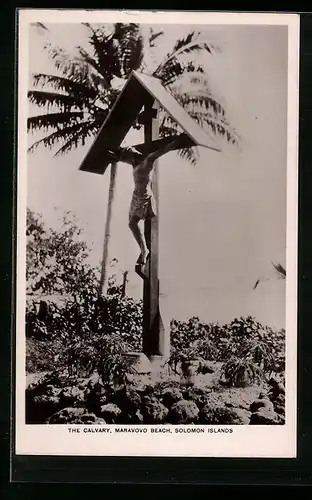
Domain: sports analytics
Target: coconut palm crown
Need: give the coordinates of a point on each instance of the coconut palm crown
(76, 100)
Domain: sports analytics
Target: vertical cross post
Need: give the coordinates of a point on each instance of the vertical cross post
(154, 334)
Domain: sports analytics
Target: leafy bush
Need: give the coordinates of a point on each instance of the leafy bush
(241, 372)
(243, 344)
(56, 260)
(199, 336)
(41, 355)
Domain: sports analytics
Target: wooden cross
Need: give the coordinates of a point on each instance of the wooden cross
(145, 91)
(155, 337)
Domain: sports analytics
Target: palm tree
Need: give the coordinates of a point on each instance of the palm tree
(77, 99)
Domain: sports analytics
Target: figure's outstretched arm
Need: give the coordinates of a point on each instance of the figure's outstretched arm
(162, 151)
(149, 159)
(125, 155)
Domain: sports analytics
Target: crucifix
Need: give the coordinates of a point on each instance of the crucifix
(144, 91)
(154, 334)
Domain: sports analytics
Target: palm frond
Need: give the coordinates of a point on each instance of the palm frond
(77, 138)
(64, 134)
(193, 93)
(281, 271)
(182, 42)
(41, 26)
(106, 52)
(168, 128)
(175, 69)
(48, 99)
(219, 128)
(53, 120)
(73, 67)
(189, 154)
(86, 78)
(98, 79)
(131, 45)
(191, 43)
(80, 91)
(153, 35)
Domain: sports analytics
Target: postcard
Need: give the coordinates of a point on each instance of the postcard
(156, 301)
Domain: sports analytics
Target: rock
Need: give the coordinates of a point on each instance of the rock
(96, 387)
(74, 416)
(94, 396)
(136, 418)
(51, 390)
(40, 407)
(110, 412)
(264, 417)
(276, 388)
(261, 403)
(279, 404)
(205, 367)
(147, 390)
(131, 419)
(70, 396)
(127, 399)
(89, 418)
(67, 415)
(153, 411)
(263, 395)
(280, 419)
(170, 396)
(183, 412)
(240, 417)
(196, 394)
(223, 415)
(54, 379)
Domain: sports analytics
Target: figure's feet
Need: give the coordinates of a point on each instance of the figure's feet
(143, 257)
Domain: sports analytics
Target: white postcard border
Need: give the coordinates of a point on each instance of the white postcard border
(238, 441)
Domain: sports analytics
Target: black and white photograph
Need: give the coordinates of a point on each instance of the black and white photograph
(157, 244)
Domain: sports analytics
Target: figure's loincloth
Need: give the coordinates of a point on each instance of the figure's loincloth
(142, 206)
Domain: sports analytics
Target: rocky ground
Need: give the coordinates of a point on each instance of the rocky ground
(53, 399)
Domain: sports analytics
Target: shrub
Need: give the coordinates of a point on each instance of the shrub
(240, 372)
(241, 337)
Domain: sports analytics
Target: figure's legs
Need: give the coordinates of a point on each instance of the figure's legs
(136, 226)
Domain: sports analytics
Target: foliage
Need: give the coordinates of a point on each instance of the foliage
(115, 368)
(248, 349)
(75, 101)
(91, 329)
(56, 260)
(41, 355)
(240, 372)
(202, 336)
(280, 270)
(88, 332)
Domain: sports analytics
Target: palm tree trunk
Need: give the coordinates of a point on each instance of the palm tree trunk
(111, 193)
(124, 284)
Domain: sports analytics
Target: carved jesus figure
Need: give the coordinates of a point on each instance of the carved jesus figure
(143, 204)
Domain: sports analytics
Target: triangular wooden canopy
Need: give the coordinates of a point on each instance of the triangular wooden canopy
(138, 90)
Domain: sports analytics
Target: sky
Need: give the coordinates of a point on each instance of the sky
(222, 222)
